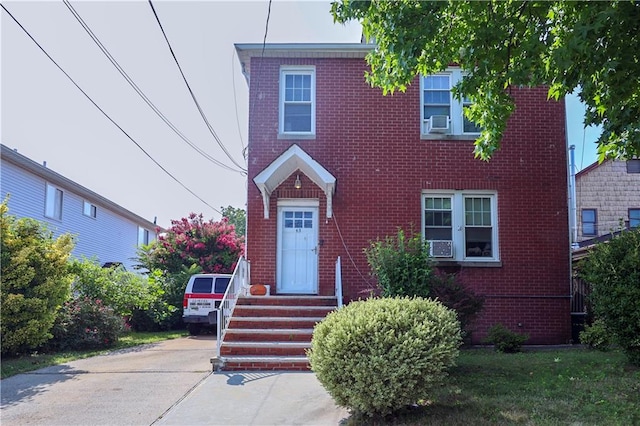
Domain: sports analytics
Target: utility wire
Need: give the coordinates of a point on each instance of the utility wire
(140, 92)
(104, 113)
(193, 96)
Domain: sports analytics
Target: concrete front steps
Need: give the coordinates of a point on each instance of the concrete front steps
(272, 332)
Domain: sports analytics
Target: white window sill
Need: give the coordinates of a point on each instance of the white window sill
(470, 263)
(301, 136)
(447, 136)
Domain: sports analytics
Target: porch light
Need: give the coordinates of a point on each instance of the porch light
(297, 184)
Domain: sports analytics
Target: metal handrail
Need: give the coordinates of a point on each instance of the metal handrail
(339, 282)
(238, 284)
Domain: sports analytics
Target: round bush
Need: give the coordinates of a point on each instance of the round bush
(380, 355)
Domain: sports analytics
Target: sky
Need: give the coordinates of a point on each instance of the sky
(46, 118)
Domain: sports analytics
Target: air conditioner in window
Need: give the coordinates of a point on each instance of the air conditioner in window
(441, 248)
(438, 124)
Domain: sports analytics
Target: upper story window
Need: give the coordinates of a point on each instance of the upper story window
(297, 101)
(589, 222)
(89, 209)
(53, 202)
(634, 218)
(440, 112)
(143, 236)
(461, 225)
(633, 166)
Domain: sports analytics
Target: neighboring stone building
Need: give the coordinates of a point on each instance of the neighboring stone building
(607, 195)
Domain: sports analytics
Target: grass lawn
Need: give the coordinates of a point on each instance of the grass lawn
(561, 387)
(23, 364)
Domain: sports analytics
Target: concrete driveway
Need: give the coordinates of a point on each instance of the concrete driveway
(127, 387)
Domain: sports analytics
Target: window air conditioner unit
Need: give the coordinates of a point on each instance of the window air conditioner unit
(438, 124)
(441, 248)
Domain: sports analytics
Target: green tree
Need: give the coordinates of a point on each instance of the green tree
(236, 217)
(34, 281)
(589, 47)
(613, 271)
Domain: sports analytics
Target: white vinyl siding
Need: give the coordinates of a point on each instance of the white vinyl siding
(466, 219)
(297, 100)
(109, 237)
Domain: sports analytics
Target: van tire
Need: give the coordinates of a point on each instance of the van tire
(194, 329)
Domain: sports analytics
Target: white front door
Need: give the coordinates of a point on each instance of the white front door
(297, 250)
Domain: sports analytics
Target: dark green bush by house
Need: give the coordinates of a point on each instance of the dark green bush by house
(613, 272)
(84, 323)
(380, 355)
(505, 340)
(596, 336)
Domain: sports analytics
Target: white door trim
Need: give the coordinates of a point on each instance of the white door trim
(297, 204)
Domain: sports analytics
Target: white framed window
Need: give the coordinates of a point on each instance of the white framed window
(297, 100)
(143, 236)
(461, 225)
(440, 113)
(53, 202)
(89, 209)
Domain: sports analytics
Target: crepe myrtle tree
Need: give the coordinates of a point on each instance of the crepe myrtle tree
(592, 48)
(214, 247)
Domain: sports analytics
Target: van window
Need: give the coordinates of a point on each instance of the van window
(202, 285)
(221, 284)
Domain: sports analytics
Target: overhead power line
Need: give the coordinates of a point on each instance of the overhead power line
(193, 96)
(104, 113)
(129, 80)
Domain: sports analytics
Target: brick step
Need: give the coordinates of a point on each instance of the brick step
(288, 300)
(268, 334)
(264, 363)
(265, 348)
(272, 322)
(281, 311)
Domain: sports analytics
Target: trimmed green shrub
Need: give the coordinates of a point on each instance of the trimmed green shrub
(613, 271)
(380, 355)
(401, 264)
(34, 281)
(596, 336)
(505, 340)
(84, 323)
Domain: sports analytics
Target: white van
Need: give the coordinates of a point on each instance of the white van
(201, 300)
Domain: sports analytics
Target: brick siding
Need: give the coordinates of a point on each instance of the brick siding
(371, 144)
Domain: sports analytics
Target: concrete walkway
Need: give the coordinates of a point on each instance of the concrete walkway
(256, 398)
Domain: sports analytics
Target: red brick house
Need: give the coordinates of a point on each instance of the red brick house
(334, 164)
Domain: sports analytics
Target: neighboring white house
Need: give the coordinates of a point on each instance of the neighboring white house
(103, 230)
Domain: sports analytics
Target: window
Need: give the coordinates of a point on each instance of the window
(143, 236)
(461, 225)
(589, 222)
(53, 202)
(297, 101)
(633, 166)
(89, 209)
(634, 218)
(441, 113)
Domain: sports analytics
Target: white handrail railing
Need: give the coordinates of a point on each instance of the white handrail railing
(239, 282)
(339, 282)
